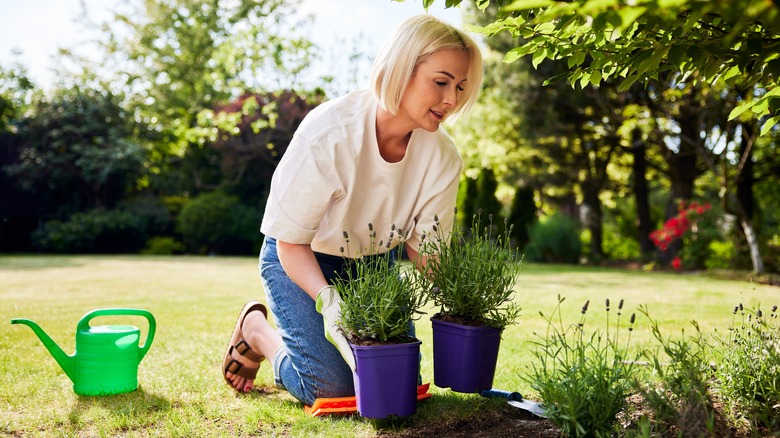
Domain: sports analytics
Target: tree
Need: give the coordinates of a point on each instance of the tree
(75, 152)
(177, 58)
(522, 215)
(486, 200)
(248, 137)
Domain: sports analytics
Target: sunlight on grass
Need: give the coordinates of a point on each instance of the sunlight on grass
(195, 301)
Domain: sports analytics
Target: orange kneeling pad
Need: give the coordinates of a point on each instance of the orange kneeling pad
(348, 405)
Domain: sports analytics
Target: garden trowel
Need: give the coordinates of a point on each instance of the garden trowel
(516, 399)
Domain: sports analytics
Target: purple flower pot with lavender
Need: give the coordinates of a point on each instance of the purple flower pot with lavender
(386, 379)
(464, 357)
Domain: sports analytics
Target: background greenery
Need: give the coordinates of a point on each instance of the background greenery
(168, 145)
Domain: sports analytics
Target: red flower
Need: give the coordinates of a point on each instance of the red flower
(677, 226)
(676, 263)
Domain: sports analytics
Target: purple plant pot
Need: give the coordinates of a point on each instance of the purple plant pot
(386, 379)
(464, 357)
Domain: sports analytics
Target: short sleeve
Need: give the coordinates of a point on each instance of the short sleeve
(302, 188)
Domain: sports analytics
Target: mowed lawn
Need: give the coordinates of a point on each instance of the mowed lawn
(195, 301)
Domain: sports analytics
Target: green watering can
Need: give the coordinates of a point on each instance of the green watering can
(107, 356)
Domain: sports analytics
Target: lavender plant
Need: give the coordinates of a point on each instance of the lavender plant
(583, 380)
(678, 396)
(472, 279)
(748, 368)
(379, 301)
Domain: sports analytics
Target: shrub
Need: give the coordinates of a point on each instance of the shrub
(696, 227)
(583, 381)
(720, 255)
(522, 214)
(163, 245)
(556, 239)
(218, 223)
(94, 231)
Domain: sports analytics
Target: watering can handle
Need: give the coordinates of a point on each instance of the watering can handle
(84, 323)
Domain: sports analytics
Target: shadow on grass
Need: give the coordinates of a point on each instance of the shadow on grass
(33, 262)
(119, 408)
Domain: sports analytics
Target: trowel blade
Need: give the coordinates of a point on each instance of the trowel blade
(532, 407)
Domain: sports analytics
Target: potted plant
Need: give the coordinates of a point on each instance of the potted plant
(379, 303)
(471, 279)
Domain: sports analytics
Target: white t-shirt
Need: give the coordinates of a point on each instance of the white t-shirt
(332, 180)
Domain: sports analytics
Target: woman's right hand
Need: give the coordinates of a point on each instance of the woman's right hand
(329, 305)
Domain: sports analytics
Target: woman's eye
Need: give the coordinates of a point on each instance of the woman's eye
(441, 83)
(460, 88)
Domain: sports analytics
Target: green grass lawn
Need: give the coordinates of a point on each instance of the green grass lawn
(195, 301)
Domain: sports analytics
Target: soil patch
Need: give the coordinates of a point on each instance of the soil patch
(505, 422)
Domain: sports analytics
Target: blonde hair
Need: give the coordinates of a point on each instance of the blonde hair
(413, 42)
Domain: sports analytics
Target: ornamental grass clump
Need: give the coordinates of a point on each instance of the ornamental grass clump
(583, 380)
(471, 279)
(379, 301)
(748, 369)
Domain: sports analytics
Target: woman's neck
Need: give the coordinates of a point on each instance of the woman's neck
(392, 136)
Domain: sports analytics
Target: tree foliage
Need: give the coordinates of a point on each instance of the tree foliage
(704, 66)
(706, 41)
(76, 152)
(181, 57)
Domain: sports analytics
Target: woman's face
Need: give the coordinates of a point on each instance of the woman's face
(435, 88)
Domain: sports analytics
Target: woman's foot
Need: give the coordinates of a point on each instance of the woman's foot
(253, 340)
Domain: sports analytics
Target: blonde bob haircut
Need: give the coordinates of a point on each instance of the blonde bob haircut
(413, 42)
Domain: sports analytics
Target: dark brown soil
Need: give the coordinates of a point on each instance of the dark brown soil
(457, 319)
(503, 423)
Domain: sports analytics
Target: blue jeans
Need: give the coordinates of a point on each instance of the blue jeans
(309, 366)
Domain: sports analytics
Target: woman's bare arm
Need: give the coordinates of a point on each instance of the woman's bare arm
(301, 266)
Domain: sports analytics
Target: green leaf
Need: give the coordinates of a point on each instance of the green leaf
(769, 124)
(652, 63)
(576, 59)
(585, 78)
(595, 78)
(761, 107)
(628, 82)
(555, 78)
(628, 15)
(538, 57)
(741, 108)
(524, 5)
(517, 53)
(730, 73)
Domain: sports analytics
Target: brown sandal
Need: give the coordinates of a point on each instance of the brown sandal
(241, 348)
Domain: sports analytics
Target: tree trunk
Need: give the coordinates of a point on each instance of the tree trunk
(593, 221)
(752, 241)
(744, 198)
(641, 195)
(682, 173)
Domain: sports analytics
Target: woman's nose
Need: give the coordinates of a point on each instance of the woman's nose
(451, 97)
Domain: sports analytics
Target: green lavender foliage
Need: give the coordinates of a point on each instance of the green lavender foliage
(583, 380)
(748, 368)
(472, 277)
(678, 397)
(379, 301)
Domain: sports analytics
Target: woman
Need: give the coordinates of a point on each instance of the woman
(378, 157)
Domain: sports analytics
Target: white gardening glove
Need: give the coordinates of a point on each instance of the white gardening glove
(329, 305)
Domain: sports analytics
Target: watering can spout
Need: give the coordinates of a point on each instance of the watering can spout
(67, 363)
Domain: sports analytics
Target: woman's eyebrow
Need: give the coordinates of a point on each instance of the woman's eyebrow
(448, 74)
